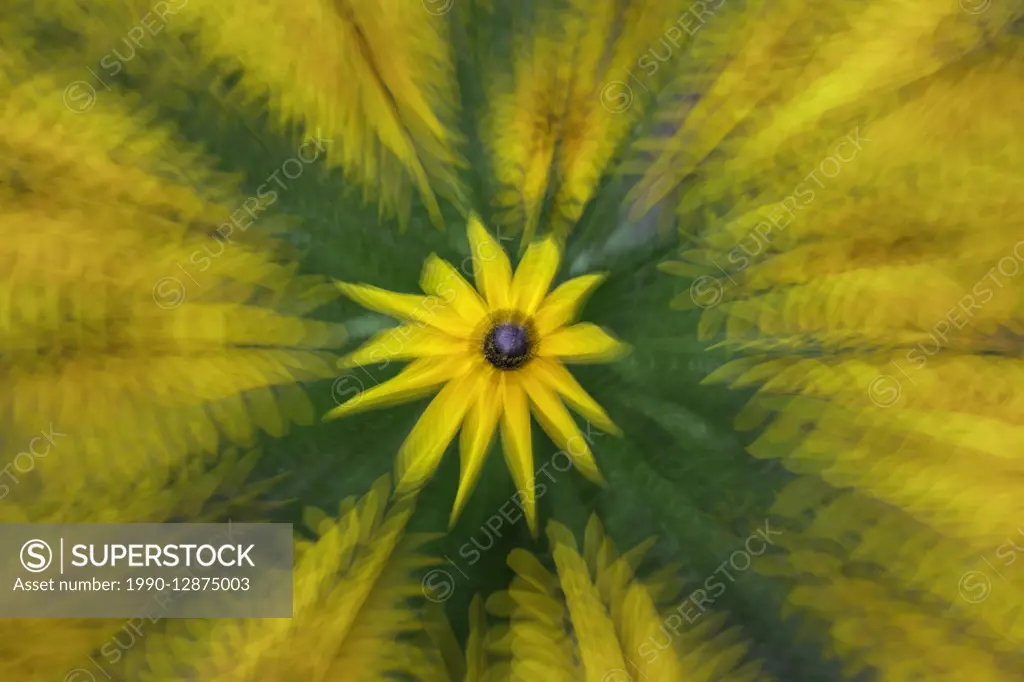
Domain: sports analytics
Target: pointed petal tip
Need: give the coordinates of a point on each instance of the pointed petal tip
(594, 476)
(534, 530)
(475, 224)
(588, 468)
(457, 508)
(461, 498)
(612, 429)
(552, 242)
(453, 518)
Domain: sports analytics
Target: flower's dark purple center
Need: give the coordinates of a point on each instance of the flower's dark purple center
(508, 345)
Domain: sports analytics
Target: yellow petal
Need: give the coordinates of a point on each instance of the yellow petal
(477, 434)
(531, 571)
(402, 343)
(440, 279)
(429, 310)
(422, 450)
(491, 268)
(420, 378)
(516, 444)
(599, 649)
(564, 303)
(476, 642)
(581, 343)
(561, 428)
(534, 275)
(556, 376)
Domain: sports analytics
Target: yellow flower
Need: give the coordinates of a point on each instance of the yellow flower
(495, 353)
(593, 619)
(351, 615)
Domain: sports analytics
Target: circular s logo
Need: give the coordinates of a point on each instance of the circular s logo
(79, 675)
(168, 293)
(975, 6)
(974, 587)
(884, 390)
(616, 97)
(706, 291)
(438, 7)
(79, 97)
(347, 387)
(438, 586)
(36, 556)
